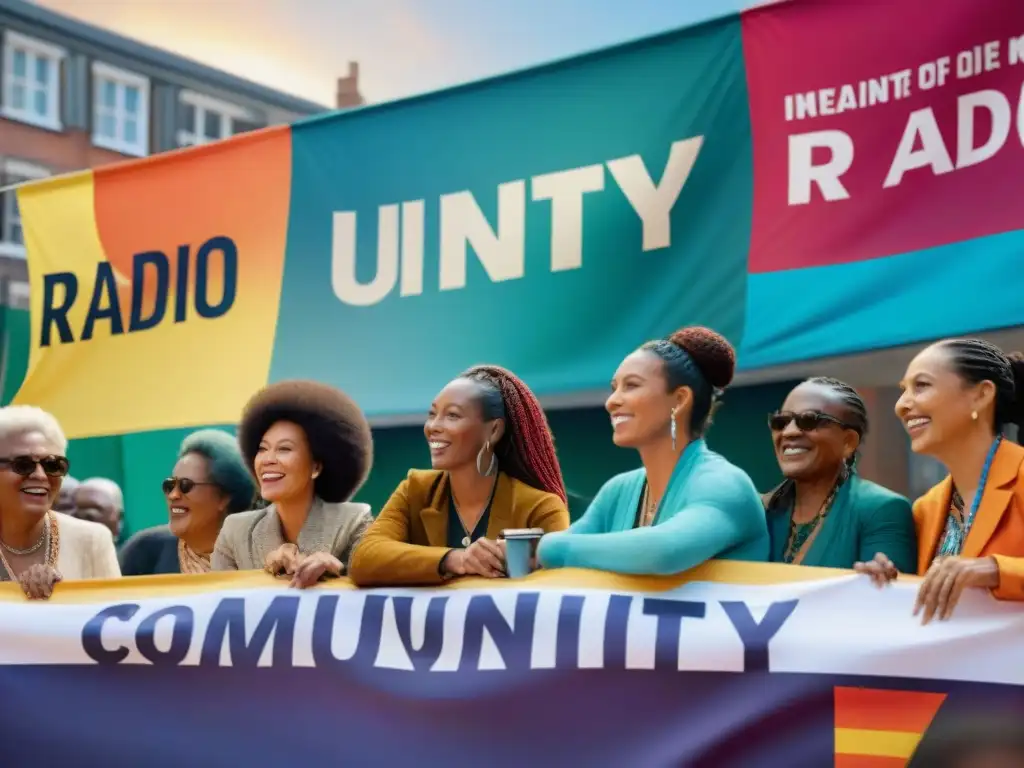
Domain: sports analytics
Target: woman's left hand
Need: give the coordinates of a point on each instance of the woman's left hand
(314, 567)
(947, 579)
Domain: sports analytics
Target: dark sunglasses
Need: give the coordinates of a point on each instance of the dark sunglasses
(806, 421)
(53, 466)
(184, 484)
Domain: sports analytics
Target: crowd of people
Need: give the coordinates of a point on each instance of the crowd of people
(280, 496)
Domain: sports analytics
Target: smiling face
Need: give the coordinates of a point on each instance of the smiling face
(455, 428)
(284, 464)
(936, 404)
(820, 451)
(640, 404)
(200, 512)
(32, 495)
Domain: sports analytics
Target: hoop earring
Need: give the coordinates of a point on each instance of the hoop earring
(672, 429)
(492, 466)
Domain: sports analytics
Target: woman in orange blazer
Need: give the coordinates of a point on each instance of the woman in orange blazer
(958, 396)
(494, 468)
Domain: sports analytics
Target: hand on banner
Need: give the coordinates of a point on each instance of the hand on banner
(880, 569)
(946, 580)
(315, 567)
(283, 561)
(481, 558)
(37, 581)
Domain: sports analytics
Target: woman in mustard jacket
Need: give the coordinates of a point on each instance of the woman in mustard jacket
(494, 468)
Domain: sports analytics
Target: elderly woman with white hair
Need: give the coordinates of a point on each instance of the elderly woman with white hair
(38, 547)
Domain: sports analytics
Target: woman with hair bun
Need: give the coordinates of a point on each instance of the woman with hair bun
(494, 468)
(687, 504)
(310, 448)
(958, 397)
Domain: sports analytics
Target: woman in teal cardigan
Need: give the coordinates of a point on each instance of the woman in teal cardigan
(824, 514)
(687, 504)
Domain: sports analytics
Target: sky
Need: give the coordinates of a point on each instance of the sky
(403, 47)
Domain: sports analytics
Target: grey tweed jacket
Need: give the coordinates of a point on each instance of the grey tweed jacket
(247, 538)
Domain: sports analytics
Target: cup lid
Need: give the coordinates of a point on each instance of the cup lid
(523, 533)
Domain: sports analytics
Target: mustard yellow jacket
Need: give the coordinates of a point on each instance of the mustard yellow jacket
(406, 542)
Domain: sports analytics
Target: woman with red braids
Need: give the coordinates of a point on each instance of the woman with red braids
(494, 468)
(686, 504)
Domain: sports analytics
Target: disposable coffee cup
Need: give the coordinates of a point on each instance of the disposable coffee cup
(520, 550)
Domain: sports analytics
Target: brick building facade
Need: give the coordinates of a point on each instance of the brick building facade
(75, 96)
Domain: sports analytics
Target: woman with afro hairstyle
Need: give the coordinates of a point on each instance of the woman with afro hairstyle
(494, 468)
(959, 395)
(686, 504)
(310, 449)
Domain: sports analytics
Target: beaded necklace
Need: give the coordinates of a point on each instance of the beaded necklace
(799, 533)
(957, 531)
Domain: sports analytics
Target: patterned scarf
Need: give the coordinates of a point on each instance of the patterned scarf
(190, 561)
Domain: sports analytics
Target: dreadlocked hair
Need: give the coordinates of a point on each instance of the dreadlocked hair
(526, 451)
(856, 409)
(976, 360)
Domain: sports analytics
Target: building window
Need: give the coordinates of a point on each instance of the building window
(32, 81)
(202, 119)
(12, 236)
(18, 294)
(120, 114)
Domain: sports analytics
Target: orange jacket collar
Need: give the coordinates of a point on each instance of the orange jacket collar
(995, 499)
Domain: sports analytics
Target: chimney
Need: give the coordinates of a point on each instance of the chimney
(348, 88)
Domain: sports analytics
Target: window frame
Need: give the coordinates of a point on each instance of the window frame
(203, 105)
(19, 294)
(35, 49)
(121, 78)
(27, 171)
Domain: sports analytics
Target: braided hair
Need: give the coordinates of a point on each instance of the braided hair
(856, 409)
(976, 360)
(701, 359)
(526, 450)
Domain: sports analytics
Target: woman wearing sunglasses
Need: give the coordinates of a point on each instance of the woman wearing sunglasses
(310, 448)
(209, 482)
(824, 514)
(686, 504)
(39, 547)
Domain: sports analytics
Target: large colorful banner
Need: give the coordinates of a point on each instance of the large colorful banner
(742, 665)
(811, 178)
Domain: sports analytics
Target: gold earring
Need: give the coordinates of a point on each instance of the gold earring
(974, 415)
(316, 475)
